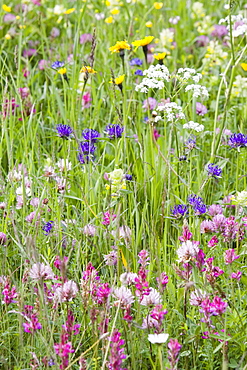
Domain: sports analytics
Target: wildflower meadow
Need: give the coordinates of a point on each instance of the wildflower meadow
(123, 185)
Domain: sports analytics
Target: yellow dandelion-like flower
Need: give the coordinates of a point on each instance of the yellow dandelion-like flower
(109, 20)
(120, 45)
(149, 24)
(62, 71)
(69, 11)
(107, 3)
(6, 8)
(118, 80)
(143, 42)
(158, 5)
(159, 56)
(244, 66)
(17, 17)
(115, 11)
(7, 36)
(87, 69)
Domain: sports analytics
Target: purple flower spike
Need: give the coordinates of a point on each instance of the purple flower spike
(214, 170)
(64, 131)
(114, 131)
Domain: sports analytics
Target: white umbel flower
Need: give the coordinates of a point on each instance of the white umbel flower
(198, 90)
(191, 125)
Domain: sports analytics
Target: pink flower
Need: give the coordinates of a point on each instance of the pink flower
(153, 298)
(107, 218)
(230, 256)
(207, 226)
(3, 238)
(149, 104)
(9, 294)
(197, 297)
(86, 100)
(162, 280)
(86, 37)
(43, 64)
(40, 271)
(174, 348)
(187, 251)
(124, 296)
(236, 275)
(116, 352)
(111, 258)
(89, 230)
(215, 209)
(213, 241)
(66, 292)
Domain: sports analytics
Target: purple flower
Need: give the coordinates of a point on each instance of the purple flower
(138, 72)
(197, 204)
(29, 53)
(64, 131)
(114, 131)
(48, 227)
(179, 210)
(135, 62)
(86, 37)
(3, 238)
(236, 275)
(202, 40)
(201, 109)
(32, 323)
(90, 135)
(190, 143)
(214, 170)
(57, 64)
(128, 177)
(9, 294)
(149, 104)
(237, 140)
(55, 32)
(87, 147)
(219, 31)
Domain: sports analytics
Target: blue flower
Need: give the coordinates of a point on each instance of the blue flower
(138, 72)
(214, 170)
(128, 177)
(197, 204)
(237, 140)
(135, 62)
(114, 131)
(64, 131)
(87, 147)
(179, 210)
(83, 158)
(57, 64)
(90, 135)
(48, 227)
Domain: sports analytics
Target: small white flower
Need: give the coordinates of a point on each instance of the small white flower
(172, 111)
(198, 90)
(158, 338)
(193, 126)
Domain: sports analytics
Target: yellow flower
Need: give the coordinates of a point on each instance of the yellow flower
(143, 42)
(69, 11)
(244, 66)
(62, 71)
(114, 11)
(6, 8)
(107, 3)
(87, 69)
(149, 24)
(159, 56)
(17, 17)
(7, 36)
(109, 20)
(120, 45)
(22, 26)
(118, 80)
(158, 5)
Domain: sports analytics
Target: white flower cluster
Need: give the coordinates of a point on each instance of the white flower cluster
(172, 112)
(215, 55)
(155, 77)
(185, 74)
(239, 24)
(193, 126)
(198, 90)
(239, 87)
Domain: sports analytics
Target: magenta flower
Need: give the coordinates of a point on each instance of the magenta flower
(213, 241)
(32, 323)
(162, 280)
(174, 348)
(101, 293)
(86, 37)
(86, 100)
(236, 275)
(230, 256)
(107, 218)
(116, 352)
(63, 350)
(9, 294)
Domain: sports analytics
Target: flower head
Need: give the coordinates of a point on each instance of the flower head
(87, 69)
(64, 131)
(57, 64)
(237, 141)
(90, 135)
(135, 62)
(114, 131)
(159, 56)
(158, 338)
(118, 80)
(119, 46)
(214, 170)
(48, 227)
(143, 42)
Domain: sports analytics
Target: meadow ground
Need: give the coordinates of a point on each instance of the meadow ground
(123, 185)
